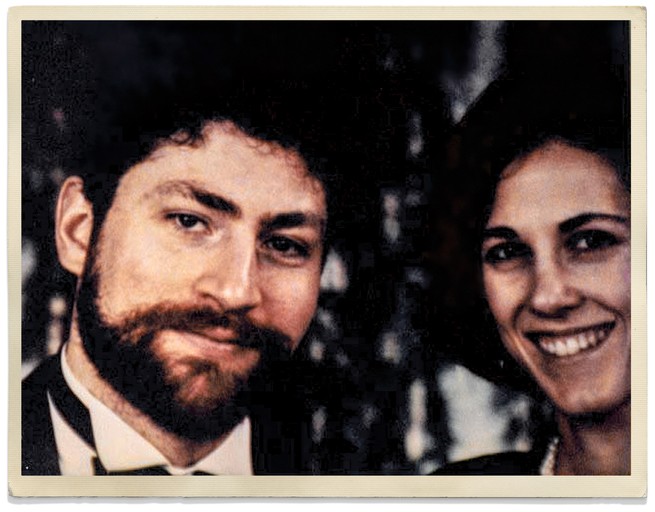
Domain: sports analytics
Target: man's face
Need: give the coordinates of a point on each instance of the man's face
(206, 270)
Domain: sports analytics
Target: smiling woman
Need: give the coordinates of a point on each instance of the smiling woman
(553, 249)
(557, 277)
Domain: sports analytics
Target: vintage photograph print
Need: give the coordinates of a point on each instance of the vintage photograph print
(364, 244)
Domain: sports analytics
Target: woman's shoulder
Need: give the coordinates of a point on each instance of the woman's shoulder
(506, 463)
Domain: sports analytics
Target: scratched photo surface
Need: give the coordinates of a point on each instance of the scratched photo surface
(456, 284)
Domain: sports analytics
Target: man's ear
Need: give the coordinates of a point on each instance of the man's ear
(73, 225)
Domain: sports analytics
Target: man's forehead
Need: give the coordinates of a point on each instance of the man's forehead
(221, 148)
(271, 204)
(221, 138)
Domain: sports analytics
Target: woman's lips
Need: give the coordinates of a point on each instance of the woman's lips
(572, 341)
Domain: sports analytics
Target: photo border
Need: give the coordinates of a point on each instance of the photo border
(631, 486)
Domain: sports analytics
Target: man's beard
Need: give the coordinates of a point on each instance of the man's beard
(125, 357)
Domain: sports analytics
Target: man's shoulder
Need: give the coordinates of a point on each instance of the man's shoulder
(39, 456)
(506, 463)
(37, 381)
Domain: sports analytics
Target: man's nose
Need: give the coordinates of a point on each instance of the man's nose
(553, 292)
(230, 278)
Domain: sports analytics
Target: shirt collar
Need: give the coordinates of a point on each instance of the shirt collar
(232, 457)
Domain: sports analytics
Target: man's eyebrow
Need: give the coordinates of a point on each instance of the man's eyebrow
(190, 190)
(500, 232)
(579, 220)
(294, 219)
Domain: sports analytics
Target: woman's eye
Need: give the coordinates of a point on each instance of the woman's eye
(506, 252)
(591, 240)
(187, 221)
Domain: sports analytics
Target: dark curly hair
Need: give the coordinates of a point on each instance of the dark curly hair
(128, 86)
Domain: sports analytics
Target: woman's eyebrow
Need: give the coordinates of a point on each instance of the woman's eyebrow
(500, 232)
(579, 220)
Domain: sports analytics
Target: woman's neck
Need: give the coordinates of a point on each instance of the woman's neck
(596, 444)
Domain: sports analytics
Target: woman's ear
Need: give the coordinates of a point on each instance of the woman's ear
(73, 225)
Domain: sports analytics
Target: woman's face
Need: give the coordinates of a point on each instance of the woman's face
(556, 268)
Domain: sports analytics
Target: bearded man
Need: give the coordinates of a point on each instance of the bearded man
(196, 237)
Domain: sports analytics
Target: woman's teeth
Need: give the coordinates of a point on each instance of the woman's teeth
(562, 346)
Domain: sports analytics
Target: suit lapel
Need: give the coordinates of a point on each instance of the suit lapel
(39, 450)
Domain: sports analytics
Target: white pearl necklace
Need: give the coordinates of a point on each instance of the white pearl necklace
(547, 467)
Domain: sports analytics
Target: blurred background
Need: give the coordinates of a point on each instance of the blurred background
(384, 390)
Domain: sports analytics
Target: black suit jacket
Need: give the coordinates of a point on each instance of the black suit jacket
(280, 442)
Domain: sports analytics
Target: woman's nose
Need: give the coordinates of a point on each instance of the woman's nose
(553, 291)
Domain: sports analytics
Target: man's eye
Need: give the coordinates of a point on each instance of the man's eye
(506, 252)
(591, 240)
(287, 247)
(187, 221)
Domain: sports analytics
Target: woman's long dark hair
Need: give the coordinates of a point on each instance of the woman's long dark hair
(514, 116)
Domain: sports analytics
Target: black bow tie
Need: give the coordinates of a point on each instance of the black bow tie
(148, 471)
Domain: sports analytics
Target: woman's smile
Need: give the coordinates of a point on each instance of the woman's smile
(570, 342)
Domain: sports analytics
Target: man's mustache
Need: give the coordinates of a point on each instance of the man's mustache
(141, 326)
